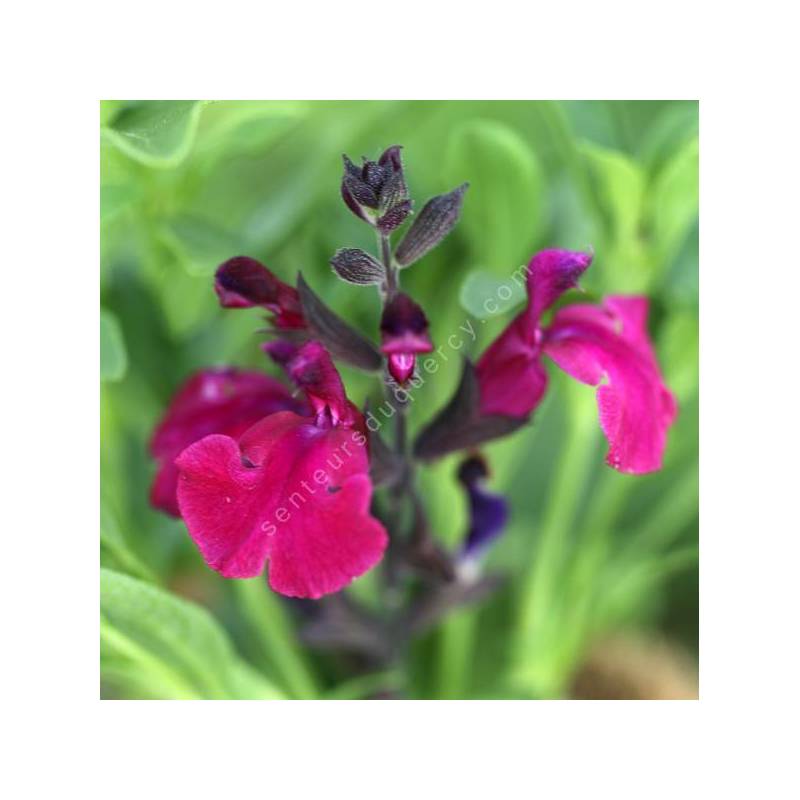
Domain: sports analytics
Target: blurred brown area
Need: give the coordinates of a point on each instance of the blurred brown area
(636, 667)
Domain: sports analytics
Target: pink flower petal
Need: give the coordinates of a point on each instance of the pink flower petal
(326, 551)
(288, 491)
(312, 369)
(550, 274)
(401, 366)
(225, 401)
(512, 380)
(608, 347)
(511, 377)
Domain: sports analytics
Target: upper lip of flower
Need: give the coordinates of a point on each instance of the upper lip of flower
(404, 327)
(313, 371)
(408, 342)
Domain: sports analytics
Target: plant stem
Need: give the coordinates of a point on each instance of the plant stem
(401, 431)
(391, 271)
(456, 644)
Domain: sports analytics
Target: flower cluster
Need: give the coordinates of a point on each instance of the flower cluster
(271, 477)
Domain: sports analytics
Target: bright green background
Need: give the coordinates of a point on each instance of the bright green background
(589, 552)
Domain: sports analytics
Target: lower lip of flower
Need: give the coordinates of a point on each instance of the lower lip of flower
(401, 366)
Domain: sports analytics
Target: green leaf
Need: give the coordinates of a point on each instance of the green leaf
(678, 350)
(188, 300)
(109, 109)
(364, 686)
(677, 123)
(115, 198)
(619, 181)
(114, 546)
(619, 185)
(673, 202)
(158, 133)
(234, 125)
(503, 213)
(200, 245)
(113, 356)
(150, 637)
(270, 630)
(483, 295)
(630, 582)
(249, 684)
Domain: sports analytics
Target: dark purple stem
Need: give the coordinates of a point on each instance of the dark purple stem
(391, 270)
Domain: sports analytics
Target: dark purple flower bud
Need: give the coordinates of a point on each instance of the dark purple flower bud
(356, 266)
(243, 282)
(375, 175)
(488, 512)
(351, 203)
(393, 191)
(433, 223)
(391, 155)
(356, 192)
(404, 333)
(281, 351)
(283, 345)
(362, 193)
(377, 191)
(394, 217)
(350, 169)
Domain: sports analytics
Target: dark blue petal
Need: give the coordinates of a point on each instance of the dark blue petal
(488, 511)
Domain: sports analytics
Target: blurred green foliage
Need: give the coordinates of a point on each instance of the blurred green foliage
(185, 185)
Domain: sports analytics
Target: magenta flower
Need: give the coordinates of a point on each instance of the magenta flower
(226, 401)
(404, 334)
(293, 490)
(605, 346)
(243, 282)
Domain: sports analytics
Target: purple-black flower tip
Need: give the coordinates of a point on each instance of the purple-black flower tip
(243, 282)
(376, 191)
